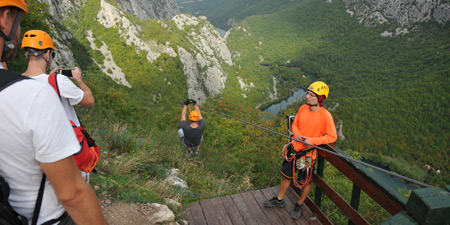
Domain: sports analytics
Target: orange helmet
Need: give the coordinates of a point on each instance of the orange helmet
(193, 116)
(37, 39)
(21, 4)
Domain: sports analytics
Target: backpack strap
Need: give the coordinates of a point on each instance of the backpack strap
(37, 207)
(7, 78)
(54, 83)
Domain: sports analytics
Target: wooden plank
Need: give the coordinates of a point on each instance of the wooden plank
(254, 208)
(209, 212)
(232, 210)
(221, 212)
(188, 216)
(268, 212)
(244, 209)
(197, 215)
(348, 210)
(281, 212)
(387, 201)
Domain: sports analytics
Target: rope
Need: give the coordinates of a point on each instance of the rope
(325, 150)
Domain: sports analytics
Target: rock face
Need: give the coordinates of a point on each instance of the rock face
(151, 9)
(403, 12)
(60, 9)
(202, 66)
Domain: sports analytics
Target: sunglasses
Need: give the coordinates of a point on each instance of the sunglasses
(53, 54)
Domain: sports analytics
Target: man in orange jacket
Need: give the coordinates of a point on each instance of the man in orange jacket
(313, 125)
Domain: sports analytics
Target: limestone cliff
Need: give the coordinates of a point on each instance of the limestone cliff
(145, 9)
(403, 12)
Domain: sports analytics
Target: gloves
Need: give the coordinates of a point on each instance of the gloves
(193, 102)
(187, 102)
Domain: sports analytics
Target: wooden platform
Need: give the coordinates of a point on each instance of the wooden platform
(247, 209)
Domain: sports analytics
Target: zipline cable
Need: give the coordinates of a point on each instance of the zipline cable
(325, 150)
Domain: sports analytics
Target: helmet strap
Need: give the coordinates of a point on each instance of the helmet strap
(47, 61)
(8, 43)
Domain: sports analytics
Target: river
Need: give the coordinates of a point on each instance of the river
(282, 105)
(221, 31)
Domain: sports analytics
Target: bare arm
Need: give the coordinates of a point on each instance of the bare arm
(88, 98)
(199, 113)
(76, 196)
(183, 113)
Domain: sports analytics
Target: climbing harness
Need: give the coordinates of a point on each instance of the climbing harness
(301, 161)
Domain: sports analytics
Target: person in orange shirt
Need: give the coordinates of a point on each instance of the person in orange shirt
(313, 125)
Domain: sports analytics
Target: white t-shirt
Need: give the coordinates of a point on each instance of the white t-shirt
(70, 94)
(33, 129)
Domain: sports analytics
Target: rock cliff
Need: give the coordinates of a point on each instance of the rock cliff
(154, 9)
(403, 12)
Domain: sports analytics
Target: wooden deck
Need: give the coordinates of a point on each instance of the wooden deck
(247, 209)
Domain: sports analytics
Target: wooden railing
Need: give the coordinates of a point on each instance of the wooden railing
(360, 182)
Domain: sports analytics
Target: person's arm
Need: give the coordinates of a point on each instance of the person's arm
(183, 113)
(75, 195)
(295, 128)
(199, 113)
(88, 98)
(55, 70)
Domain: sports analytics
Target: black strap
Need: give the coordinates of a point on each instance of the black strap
(300, 153)
(37, 207)
(7, 78)
(53, 221)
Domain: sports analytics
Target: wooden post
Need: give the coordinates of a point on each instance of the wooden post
(356, 193)
(318, 193)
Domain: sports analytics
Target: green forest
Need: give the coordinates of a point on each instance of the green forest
(392, 95)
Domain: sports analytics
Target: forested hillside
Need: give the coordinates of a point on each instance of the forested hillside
(392, 91)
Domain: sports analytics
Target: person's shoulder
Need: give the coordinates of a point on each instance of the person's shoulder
(303, 107)
(325, 112)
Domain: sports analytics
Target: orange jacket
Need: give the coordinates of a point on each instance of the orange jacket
(318, 126)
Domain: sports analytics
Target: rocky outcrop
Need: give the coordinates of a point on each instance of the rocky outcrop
(403, 12)
(202, 64)
(108, 66)
(151, 9)
(59, 10)
(112, 17)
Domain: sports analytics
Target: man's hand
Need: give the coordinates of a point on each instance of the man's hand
(187, 102)
(302, 138)
(193, 102)
(56, 70)
(76, 74)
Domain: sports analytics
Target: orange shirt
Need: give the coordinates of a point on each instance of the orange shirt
(318, 126)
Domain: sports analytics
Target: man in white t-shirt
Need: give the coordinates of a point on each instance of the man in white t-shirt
(36, 138)
(40, 51)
